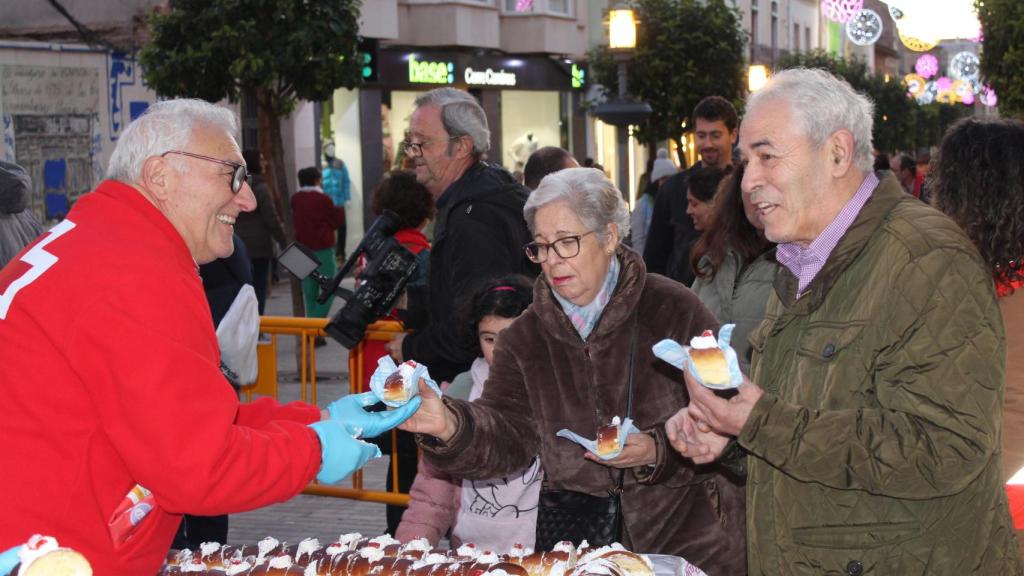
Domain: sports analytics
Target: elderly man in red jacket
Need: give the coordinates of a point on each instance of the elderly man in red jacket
(117, 417)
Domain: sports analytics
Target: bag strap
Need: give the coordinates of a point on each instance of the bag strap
(629, 394)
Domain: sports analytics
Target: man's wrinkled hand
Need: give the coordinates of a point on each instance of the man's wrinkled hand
(689, 439)
(726, 417)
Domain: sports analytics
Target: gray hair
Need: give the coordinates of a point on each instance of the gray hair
(166, 126)
(461, 115)
(821, 104)
(589, 193)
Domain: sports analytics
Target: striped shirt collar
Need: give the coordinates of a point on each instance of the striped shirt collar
(805, 263)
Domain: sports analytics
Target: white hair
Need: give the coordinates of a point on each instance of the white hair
(166, 126)
(461, 115)
(589, 193)
(821, 104)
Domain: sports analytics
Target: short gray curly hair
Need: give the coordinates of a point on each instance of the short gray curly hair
(461, 115)
(166, 126)
(821, 104)
(589, 193)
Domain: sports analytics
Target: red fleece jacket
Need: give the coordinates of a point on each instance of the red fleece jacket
(109, 374)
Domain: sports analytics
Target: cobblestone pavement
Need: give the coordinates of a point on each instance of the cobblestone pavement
(305, 516)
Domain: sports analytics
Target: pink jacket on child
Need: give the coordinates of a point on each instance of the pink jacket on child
(493, 514)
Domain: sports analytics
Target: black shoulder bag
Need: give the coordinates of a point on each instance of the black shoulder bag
(576, 516)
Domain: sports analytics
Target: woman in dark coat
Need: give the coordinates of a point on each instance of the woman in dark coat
(565, 364)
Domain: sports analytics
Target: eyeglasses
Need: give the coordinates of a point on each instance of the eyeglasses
(238, 177)
(567, 247)
(411, 148)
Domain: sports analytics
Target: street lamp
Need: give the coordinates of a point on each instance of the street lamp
(620, 110)
(757, 77)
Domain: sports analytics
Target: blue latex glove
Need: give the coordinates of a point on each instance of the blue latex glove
(8, 560)
(349, 410)
(340, 453)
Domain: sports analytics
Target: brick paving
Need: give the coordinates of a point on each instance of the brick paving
(305, 516)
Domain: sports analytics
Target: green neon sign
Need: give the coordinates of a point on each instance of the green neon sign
(426, 72)
(577, 76)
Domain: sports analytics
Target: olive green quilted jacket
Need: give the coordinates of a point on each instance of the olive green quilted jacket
(875, 449)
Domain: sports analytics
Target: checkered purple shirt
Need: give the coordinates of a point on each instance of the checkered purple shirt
(805, 263)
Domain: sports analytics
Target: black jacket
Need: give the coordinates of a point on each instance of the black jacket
(480, 233)
(671, 235)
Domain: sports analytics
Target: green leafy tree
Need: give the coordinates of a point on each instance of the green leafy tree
(895, 111)
(1002, 55)
(686, 50)
(282, 51)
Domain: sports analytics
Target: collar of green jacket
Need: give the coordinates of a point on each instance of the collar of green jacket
(871, 217)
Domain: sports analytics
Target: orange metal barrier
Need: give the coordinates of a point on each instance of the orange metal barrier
(361, 366)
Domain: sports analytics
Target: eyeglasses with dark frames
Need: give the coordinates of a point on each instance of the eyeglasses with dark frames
(411, 148)
(566, 247)
(239, 175)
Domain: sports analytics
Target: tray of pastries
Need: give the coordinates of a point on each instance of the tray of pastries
(355, 555)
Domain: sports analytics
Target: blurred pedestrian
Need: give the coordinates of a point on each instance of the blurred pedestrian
(735, 265)
(338, 187)
(672, 233)
(316, 219)
(640, 221)
(260, 229)
(545, 161)
(979, 182)
(18, 225)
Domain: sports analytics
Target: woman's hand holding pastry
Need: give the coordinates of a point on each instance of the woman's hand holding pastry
(433, 417)
(638, 450)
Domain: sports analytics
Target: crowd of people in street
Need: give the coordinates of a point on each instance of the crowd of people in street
(881, 409)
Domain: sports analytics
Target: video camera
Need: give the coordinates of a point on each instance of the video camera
(389, 266)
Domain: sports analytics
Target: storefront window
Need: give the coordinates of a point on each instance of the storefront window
(529, 120)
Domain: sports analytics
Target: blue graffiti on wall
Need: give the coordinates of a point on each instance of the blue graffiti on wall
(121, 67)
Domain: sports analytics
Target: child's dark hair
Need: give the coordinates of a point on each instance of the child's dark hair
(402, 194)
(506, 296)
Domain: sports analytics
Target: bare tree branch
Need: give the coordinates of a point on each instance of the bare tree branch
(89, 36)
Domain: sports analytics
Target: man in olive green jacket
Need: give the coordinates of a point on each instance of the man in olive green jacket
(873, 427)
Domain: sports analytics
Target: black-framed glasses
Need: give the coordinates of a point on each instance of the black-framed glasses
(239, 174)
(565, 247)
(411, 148)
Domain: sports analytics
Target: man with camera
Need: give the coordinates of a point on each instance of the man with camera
(117, 418)
(479, 232)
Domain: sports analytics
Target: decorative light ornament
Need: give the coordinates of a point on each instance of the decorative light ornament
(915, 84)
(895, 13)
(927, 65)
(865, 28)
(988, 96)
(962, 89)
(943, 83)
(917, 44)
(938, 20)
(968, 99)
(946, 97)
(841, 11)
(965, 65)
(929, 93)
